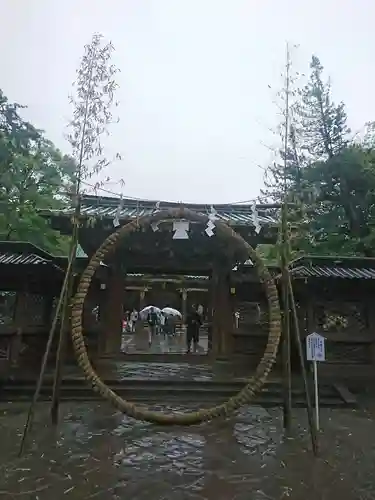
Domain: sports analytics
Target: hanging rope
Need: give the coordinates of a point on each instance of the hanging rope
(254, 383)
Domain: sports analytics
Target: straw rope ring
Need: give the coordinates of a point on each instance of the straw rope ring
(253, 384)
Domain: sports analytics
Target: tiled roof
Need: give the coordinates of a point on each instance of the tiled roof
(106, 208)
(333, 267)
(313, 266)
(332, 272)
(22, 252)
(16, 258)
(185, 276)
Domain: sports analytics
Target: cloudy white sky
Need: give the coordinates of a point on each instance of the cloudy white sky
(195, 106)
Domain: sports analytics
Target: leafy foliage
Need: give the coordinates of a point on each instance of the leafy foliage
(94, 87)
(342, 215)
(322, 124)
(33, 175)
(330, 178)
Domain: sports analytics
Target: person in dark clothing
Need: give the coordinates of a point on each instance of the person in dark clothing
(168, 326)
(193, 324)
(152, 320)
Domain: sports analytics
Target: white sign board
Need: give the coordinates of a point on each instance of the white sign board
(181, 228)
(315, 347)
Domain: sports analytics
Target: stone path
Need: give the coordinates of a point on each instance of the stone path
(119, 370)
(137, 343)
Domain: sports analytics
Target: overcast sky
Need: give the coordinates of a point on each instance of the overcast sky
(195, 106)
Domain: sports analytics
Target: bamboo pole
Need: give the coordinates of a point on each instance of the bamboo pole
(62, 346)
(59, 357)
(31, 412)
(287, 373)
(313, 433)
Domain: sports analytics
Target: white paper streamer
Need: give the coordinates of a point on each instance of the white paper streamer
(211, 222)
(255, 220)
(155, 226)
(137, 214)
(209, 229)
(116, 219)
(181, 228)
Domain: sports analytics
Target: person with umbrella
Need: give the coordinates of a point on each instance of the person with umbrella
(133, 319)
(193, 324)
(168, 327)
(171, 315)
(153, 321)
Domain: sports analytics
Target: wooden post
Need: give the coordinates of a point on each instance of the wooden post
(215, 332)
(210, 315)
(370, 317)
(222, 328)
(102, 319)
(48, 306)
(114, 312)
(184, 306)
(142, 295)
(18, 320)
(310, 317)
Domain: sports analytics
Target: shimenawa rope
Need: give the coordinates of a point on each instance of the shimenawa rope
(254, 383)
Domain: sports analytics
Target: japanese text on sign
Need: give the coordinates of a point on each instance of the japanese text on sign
(315, 347)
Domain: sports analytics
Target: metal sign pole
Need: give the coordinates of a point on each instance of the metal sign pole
(315, 351)
(316, 389)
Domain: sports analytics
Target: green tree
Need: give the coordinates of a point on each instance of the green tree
(33, 175)
(329, 178)
(339, 177)
(342, 214)
(318, 130)
(321, 123)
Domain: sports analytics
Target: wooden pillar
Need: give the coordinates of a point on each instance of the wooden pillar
(222, 321)
(113, 314)
(310, 317)
(47, 311)
(142, 295)
(184, 305)
(210, 315)
(370, 313)
(18, 321)
(102, 318)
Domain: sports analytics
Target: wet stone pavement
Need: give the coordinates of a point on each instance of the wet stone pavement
(161, 344)
(98, 454)
(122, 370)
(160, 371)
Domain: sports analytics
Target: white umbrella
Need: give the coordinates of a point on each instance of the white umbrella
(169, 311)
(146, 310)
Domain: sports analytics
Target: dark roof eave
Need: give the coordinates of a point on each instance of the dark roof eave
(114, 201)
(105, 208)
(334, 259)
(31, 265)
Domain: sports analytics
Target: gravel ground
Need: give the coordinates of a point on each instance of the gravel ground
(97, 454)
